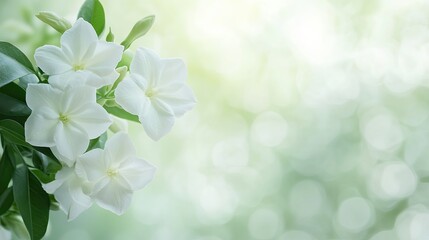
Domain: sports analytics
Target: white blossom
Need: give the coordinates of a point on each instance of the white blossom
(69, 191)
(81, 54)
(115, 173)
(5, 234)
(156, 91)
(64, 120)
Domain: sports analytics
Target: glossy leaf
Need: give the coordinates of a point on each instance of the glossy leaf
(10, 106)
(45, 163)
(13, 132)
(32, 201)
(6, 200)
(92, 11)
(6, 169)
(14, 90)
(98, 142)
(16, 54)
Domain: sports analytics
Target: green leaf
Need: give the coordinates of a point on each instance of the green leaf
(13, 132)
(6, 200)
(47, 151)
(32, 201)
(16, 54)
(98, 142)
(6, 169)
(14, 90)
(44, 163)
(92, 11)
(139, 29)
(24, 81)
(119, 112)
(12, 107)
(43, 177)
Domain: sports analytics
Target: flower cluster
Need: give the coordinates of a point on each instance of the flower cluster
(66, 116)
(63, 144)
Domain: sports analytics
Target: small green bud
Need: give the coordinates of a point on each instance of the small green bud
(110, 37)
(139, 29)
(58, 23)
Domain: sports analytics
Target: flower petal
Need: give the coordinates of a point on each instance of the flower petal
(180, 101)
(106, 55)
(70, 79)
(79, 40)
(114, 197)
(81, 201)
(52, 60)
(130, 94)
(90, 166)
(40, 127)
(119, 147)
(70, 141)
(93, 119)
(75, 98)
(157, 119)
(68, 191)
(102, 76)
(171, 70)
(137, 172)
(39, 95)
(147, 64)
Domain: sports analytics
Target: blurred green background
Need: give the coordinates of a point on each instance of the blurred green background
(311, 123)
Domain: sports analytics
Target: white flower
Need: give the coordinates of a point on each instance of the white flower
(81, 53)
(115, 173)
(64, 120)
(69, 191)
(156, 91)
(5, 234)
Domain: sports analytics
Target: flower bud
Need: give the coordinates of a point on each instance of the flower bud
(58, 23)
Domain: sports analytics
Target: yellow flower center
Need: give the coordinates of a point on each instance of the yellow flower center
(63, 118)
(150, 93)
(77, 67)
(112, 172)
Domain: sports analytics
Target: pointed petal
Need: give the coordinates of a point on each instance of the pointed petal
(119, 147)
(79, 40)
(40, 129)
(137, 172)
(76, 98)
(71, 141)
(68, 191)
(157, 119)
(114, 197)
(70, 79)
(106, 55)
(52, 60)
(147, 64)
(63, 159)
(102, 76)
(39, 95)
(130, 96)
(91, 165)
(93, 119)
(80, 202)
(179, 101)
(171, 70)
